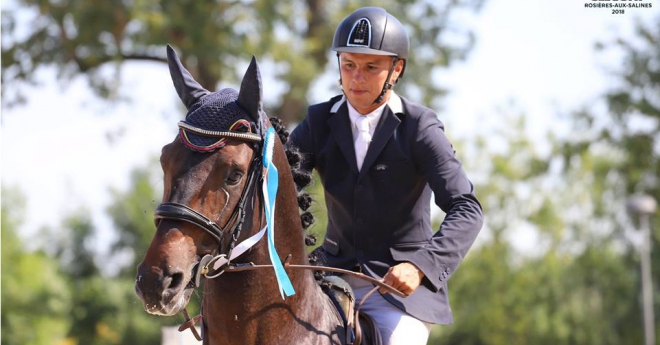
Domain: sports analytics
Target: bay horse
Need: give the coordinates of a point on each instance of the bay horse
(217, 209)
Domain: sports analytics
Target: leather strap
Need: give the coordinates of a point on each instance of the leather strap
(172, 210)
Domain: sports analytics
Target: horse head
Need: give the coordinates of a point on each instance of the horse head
(210, 172)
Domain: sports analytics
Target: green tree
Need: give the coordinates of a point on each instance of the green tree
(79, 37)
(575, 286)
(630, 132)
(131, 211)
(35, 296)
(582, 284)
(132, 215)
(92, 306)
(104, 309)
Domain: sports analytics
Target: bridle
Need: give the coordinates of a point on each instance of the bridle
(233, 226)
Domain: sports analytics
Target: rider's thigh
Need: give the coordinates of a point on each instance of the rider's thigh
(396, 326)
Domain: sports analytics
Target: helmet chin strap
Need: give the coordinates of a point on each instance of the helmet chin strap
(339, 81)
(387, 86)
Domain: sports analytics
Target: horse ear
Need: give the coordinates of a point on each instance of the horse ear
(250, 95)
(187, 88)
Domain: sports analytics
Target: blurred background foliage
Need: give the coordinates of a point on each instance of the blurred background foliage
(580, 284)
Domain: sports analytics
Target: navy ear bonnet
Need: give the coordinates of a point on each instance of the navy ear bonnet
(214, 117)
(216, 112)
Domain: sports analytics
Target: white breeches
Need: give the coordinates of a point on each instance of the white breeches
(396, 326)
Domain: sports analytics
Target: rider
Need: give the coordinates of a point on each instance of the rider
(378, 182)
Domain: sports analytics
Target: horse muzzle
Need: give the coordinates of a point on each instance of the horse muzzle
(163, 292)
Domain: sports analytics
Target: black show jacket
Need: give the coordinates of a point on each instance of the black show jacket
(380, 216)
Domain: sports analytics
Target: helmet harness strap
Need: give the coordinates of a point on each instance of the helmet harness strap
(387, 86)
(340, 82)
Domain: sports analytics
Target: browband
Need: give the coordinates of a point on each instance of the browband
(247, 136)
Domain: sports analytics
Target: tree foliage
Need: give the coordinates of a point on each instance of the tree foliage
(561, 290)
(132, 215)
(581, 284)
(61, 295)
(35, 296)
(79, 37)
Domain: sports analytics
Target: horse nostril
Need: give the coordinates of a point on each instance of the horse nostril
(175, 281)
(138, 292)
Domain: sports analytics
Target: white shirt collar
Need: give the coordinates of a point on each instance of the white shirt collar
(395, 103)
(373, 117)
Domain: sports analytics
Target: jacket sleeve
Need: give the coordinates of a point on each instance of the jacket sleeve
(435, 158)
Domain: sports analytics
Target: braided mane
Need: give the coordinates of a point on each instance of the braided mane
(300, 177)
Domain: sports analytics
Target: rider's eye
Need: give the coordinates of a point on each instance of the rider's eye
(234, 177)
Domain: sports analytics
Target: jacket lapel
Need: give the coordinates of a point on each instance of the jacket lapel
(340, 126)
(384, 130)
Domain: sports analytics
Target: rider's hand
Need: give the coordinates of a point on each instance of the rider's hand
(404, 277)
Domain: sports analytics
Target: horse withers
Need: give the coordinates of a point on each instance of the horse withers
(214, 210)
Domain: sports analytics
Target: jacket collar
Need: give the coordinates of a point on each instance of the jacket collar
(341, 131)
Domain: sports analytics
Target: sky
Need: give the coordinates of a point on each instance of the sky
(65, 150)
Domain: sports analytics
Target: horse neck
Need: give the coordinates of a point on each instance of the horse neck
(239, 304)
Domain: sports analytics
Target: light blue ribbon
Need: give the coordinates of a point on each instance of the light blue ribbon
(270, 191)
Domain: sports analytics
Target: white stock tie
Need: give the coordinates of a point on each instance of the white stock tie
(363, 140)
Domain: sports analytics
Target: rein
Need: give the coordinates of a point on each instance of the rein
(208, 260)
(252, 267)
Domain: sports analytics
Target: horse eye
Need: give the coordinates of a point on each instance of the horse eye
(234, 177)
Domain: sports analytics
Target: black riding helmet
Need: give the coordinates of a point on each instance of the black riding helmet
(371, 30)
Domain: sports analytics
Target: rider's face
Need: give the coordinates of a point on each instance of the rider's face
(363, 77)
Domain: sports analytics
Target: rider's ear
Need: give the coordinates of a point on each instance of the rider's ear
(187, 88)
(250, 94)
